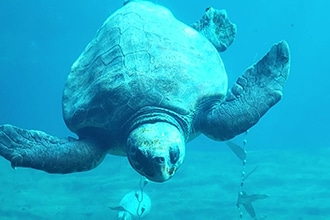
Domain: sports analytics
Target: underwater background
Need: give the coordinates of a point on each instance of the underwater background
(39, 41)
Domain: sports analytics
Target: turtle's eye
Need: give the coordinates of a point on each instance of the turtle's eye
(174, 156)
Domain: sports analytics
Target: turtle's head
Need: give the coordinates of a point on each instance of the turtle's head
(156, 150)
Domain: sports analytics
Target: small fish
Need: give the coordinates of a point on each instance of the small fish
(118, 208)
(237, 150)
(247, 175)
(134, 205)
(246, 200)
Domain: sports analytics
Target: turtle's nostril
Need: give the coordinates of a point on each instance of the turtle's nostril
(159, 160)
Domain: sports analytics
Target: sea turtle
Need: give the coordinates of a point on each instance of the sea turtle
(145, 86)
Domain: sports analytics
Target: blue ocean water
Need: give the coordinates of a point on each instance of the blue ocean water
(39, 41)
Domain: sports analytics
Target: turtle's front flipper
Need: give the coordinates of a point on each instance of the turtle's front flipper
(256, 91)
(217, 28)
(38, 150)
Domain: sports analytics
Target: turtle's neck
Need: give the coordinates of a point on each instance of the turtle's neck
(151, 114)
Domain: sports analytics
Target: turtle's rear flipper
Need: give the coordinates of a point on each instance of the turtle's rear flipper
(38, 150)
(256, 91)
(217, 28)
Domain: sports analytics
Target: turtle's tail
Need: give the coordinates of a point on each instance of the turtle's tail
(38, 150)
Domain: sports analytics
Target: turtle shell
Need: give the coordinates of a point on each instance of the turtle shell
(141, 56)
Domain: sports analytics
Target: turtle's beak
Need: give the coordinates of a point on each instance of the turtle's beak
(165, 175)
(162, 171)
